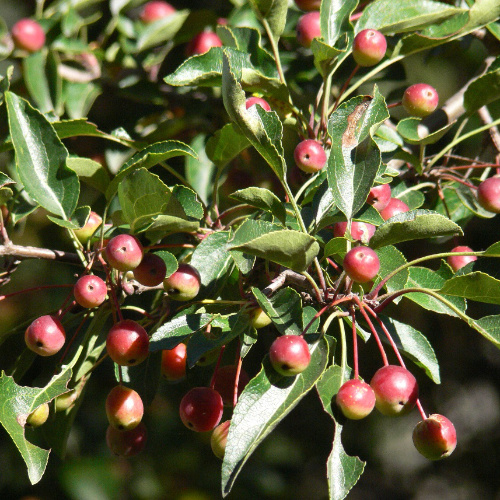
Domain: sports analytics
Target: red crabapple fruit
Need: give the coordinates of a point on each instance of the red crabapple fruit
(361, 264)
(289, 355)
(124, 252)
(488, 194)
(356, 399)
(202, 43)
(184, 284)
(201, 409)
(155, 10)
(369, 47)
(394, 207)
(127, 343)
(308, 27)
(173, 363)
(379, 196)
(420, 99)
(309, 156)
(28, 35)
(435, 437)
(151, 271)
(85, 233)
(90, 291)
(361, 231)
(45, 335)
(458, 261)
(251, 101)
(218, 440)
(124, 408)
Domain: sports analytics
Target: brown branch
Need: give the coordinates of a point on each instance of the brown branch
(26, 252)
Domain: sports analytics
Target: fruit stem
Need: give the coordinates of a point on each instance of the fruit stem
(216, 369)
(43, 287)
(237, 380)
(321, 311)
(79, 327)
(344, 87)
(354, 344)
(317, 291)
(274, 48)
(343, 359)
(421, 410)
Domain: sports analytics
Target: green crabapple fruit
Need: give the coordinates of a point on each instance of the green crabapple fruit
(361, 264)
(45, 335)
(289, 355)
(435, 437)
(85, 233)
(394, 207)
(308, 27)
(356, 399)
(396, 390)
(28, 35)
(379, 196)
(420, 99)
(151, 271)
(259, 319)
(124, 252)
(361, 231)
(184, 284)
(251, 101)
(201, 409)
(218, 440)
(488, 194)
(155, 10)
(124, 408)
(202, 43)
(308, 4)
(369, 47)
(173, 363)
(309, 156)
(126, 443)
(90, 291)
(458, 261)
(127, 343)
(39, 416)
(225, 381)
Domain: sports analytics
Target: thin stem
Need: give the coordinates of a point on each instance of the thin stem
(216, 369)
(34, 289)
(354, 344)
(417, 187)
(342, 90)
(326, 99)
(274, 48)
(343, 343)
(317, 291)
(68, 345)
(421, 410)
(237, 380)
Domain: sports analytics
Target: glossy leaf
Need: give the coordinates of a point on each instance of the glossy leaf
(477, 286)
(390, 259)
(200, 171)
(334, 19)
(483, 90)
(227, 143)
(89, 171)
(410, 129)
(161, 30)
(273, 12)
(261, 198)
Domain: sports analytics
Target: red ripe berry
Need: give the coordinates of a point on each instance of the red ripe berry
(218, 440)
(127, 343)
(396, 390)
(308, 4)
(420, 99)
(124, 408)
(435, 437)
(45, 335)
(201, 409)
(356, 399)
(184, 284)
(458, 261)
(28, 35)
(124, 252)
(251, 101)
(173, 363)
(488, 194)
(126, 443)
(379, 196)
(202, 43)
(309, 156)
(394, 207)
(361, 264)
(361, 231)
(289, 355)
(90, 291)
(308, 27)
(225, 381)
(369, 47)
(151, 271)
(155, 10)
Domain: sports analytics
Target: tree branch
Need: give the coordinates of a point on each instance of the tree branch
(24, 252)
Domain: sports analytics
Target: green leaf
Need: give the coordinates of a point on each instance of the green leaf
(413, 225)
(415, 346)
(147, 158)
(89, 171)
(36, 80)
(227, 143)
(162, 30)
(41, 159)
(261, 198)
(355, 158)
(273, 12)
(284, 308)
(262, 128)
(409, 129)
(265, 401)
(483, 90)
(410, 15)
(78, 219)
(79, 98)
(489, 327)
(291, 249)
(477, 286)
(390, 259)
(17, 403)
(200, 171)
(334, 19)
(213, 261)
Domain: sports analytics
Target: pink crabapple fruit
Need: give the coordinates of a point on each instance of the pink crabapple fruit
(151, 271)
(39, 416)
(289, 355)
(308, 5)
(369, 47)
(202, 43)
(435, 437)
(124, 252)
(488, 194)
(252, 101)
(126, 443)
(308, 27)
(379, 196)
(45, 335)
(127, 343)
(85, 233)
(394, 207)
(173, 363)
(458, 261)
(396, 390)
(356, 399)
(225, 381)
(360, 231)
(309, 156)
(124, 408)
(28, 35)
(361, 264)
(420, 99)
(201, 409)
(90, 291)
(184, 284)
(155, 10)
(218, 440)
